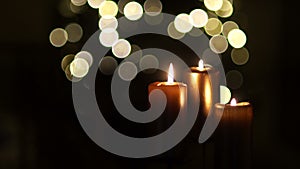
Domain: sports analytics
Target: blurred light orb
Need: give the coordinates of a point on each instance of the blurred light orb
(240, 56)
(95, 3)
(195, 32)
(154, 20)
(86, 56)
(77, 9)
(136, 54)
(213, 27)
(58, 37)
(218, 44)
(74, 31)
(108, 22)
(121, 4)
(234, 79)
(183, 23)
(226, 9)
(133, 11)
(108, 37)
(153, 7)
(213, 5)
(78, 2)
(108, 65)
(69, 75)
(66, 61)
(237, 38)
(228, 26)
(127, 71)
(198, 18)
(225, 95)
(149, 62)
(121, 48)
(79, 67)
(173, 32)
(108, 8)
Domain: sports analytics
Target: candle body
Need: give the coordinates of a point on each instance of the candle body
(233, 137)
(203, 85)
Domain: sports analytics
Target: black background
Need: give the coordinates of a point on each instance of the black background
(38, 125)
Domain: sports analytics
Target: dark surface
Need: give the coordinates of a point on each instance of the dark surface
(38, 125)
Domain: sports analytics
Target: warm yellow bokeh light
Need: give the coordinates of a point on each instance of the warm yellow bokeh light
(213, 5)
(86, 56)
(121, 48)
(198, 18)
(66, 61)
(78, 2)
(183, 23)
(95, 3)
(74, 31)
(237, 38)
(108, 22)
(228, 26)
(225, 95)
(213, 27)
(133, 11)
(108, 37)
(153, 7)
(79, 67)
(58, 37)
(108, 8)
(173, 32)
(69, 75)
(121, 5)
(240, 56)
(226, 9)
(218, 44)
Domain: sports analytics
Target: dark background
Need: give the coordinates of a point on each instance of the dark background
(38, 125)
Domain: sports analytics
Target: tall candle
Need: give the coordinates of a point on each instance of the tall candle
(203, 85)
(233, 137)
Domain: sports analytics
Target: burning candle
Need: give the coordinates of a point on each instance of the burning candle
(234, 135)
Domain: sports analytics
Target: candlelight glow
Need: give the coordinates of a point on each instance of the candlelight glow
(108, 8)
(237, 38)
(233, 102)
(200, 64)
(171, 74)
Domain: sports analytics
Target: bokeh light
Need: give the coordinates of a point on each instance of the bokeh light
(108, 22)
(66, 61)
(121, 48)
(153, 7)
(213, 5)
(228, 26)
(127, 71)
(74, 31)
(78, 2)
(240, 56)
(108, 8)
(198, 18)
(183, 23)
(108, 65)
(86, 56)
(226, 9)
(108, 37)
(234, 79)
(77, 9)
(218, 44)
(213, 27)
(95, 3)
(173, 32)
(121, 4)
(79, 67)
(154, 20)
(195, 32)
(149, 63)
(133, 11)
(237, 38)
(58, 37)
(69, 76)
(135, 54)
(225, 94)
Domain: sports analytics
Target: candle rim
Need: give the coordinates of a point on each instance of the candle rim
(239, 104)
(168, 84)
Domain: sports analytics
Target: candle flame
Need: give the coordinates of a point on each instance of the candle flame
(233, 102)
(171, 74)
(201, 65)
